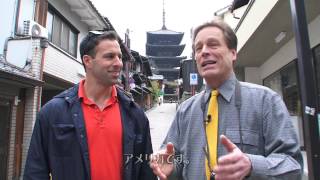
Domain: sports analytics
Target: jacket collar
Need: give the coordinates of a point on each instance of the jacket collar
(71, 95)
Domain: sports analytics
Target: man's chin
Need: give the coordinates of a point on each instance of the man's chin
(116, 81)
(209, 74)
(111, 82)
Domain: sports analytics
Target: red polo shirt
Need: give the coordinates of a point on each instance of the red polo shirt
(104, 135)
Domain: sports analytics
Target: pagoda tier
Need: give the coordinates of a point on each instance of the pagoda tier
(164, 50)
(165, 62)
(164, 37)
(169, 74)
(167, 57)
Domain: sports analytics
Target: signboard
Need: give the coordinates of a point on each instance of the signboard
(193, 79)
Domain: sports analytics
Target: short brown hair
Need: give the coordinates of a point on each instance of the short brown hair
(229, 35)
(93, 38)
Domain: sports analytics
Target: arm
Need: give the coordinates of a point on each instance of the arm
(282, 158)
(36, 167)
(279, 153)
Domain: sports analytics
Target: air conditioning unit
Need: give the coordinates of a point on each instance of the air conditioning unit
(33, 29)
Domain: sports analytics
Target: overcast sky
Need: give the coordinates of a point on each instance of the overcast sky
(140, 16)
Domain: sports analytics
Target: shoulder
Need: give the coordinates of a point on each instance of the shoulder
(124, 96)
(71, 92)
(191, 103)
(259, 96)
(126, 100)
(61, 101)
(251, 88)
(123, 92)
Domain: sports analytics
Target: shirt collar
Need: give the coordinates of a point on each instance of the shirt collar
(226, 90)
(82, 94)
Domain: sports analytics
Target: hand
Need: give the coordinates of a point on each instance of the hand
(233, 166)
(162, 162)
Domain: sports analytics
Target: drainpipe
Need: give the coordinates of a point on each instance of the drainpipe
(17, 16)
(127, 50)
(43, 44)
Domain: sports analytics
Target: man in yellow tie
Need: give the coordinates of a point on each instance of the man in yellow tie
(243, 131)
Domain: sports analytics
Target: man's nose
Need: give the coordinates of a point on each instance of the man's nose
(118, 62)
(204, 51)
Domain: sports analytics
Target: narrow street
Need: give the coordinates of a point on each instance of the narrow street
(160, 118)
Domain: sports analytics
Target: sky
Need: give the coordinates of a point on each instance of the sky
(140, 16)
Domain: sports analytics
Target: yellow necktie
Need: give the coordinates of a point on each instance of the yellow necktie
(212, 131)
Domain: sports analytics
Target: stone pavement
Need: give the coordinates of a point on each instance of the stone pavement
(160, 118)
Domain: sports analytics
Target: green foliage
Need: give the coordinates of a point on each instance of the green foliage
(155, 90)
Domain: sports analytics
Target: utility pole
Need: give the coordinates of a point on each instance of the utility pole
(308, 88)
(127, 43)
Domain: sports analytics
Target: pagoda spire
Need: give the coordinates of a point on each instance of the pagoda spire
(163, 17)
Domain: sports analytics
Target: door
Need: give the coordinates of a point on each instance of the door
(5, 109)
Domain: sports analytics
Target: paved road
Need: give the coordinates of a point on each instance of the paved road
(160, 118)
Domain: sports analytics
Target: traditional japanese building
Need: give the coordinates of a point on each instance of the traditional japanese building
(164, 50)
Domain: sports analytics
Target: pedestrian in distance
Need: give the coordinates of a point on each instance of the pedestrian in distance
(93, 130)
(232, 130)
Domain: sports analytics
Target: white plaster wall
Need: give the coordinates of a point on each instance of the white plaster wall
(7, 19)
(282, 57)
(252, 75)
(259, 10)
(288, 52)
(62, 66)
(230, 20)
(314, 31)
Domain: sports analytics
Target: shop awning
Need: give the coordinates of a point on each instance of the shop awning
(19, 80)
(148, 90)
(141, 90)
(135, 92)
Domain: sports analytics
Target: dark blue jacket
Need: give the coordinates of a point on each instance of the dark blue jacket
(59, 142)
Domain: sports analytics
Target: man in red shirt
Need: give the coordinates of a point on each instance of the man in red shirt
(93, 130)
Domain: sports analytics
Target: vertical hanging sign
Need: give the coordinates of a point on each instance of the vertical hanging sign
(193, 79)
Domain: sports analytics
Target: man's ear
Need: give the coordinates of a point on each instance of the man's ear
(234, 55)
(87, 60)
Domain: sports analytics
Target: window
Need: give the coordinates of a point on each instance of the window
(316, 57)
(61, 32)
(285, 82)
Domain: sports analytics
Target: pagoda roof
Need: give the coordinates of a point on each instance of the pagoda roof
(167, 57)
(166, 63)
(158, 38)
(164, 50)
(164, 31)
(168, 70)
(169, 74)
